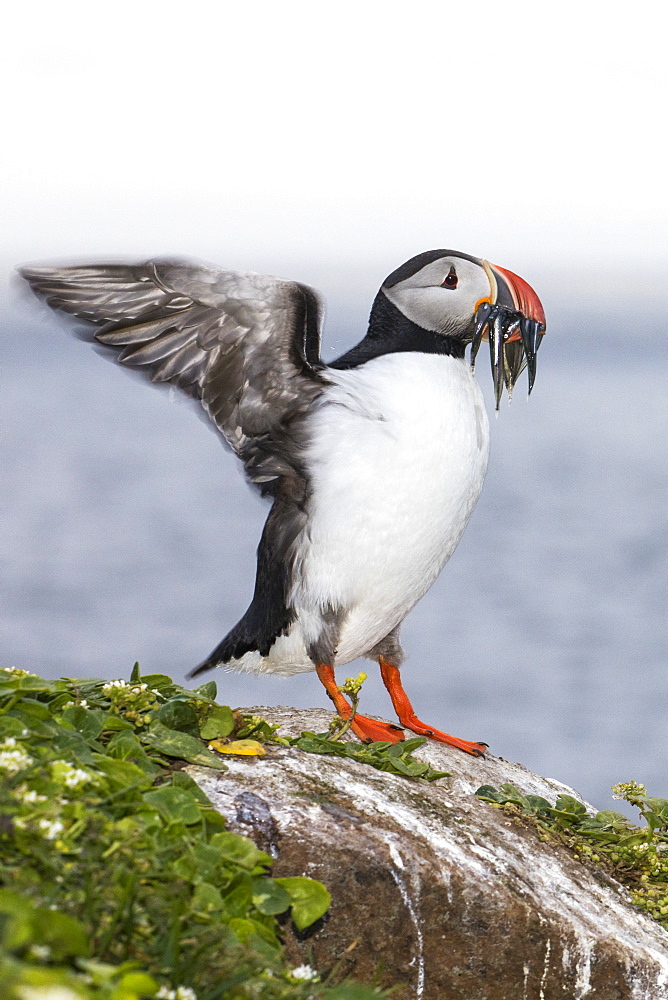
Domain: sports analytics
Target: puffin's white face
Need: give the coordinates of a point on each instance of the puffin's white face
(442, 296)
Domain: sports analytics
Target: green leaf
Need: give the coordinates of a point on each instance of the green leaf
(135, 676)
(10, 726)
(41, 925)
(121, 773)
(239, 850)
(115, 723)
(64, 935)
(352, 991)
(175, 805)
(410, 745)
(205, 860)
(658, 809)
(393, 757)
(33, 710)
(310, 900)
(513, 794)
(207, 898)
(180, 745)
(182, 780)
(614, 819)
(631, 841)
(255, 727)
(567, 804)
(208, 690)
(138, 984)
(239, 899)
(124, 745)
(538, 804)
(160, 682)
(243, 928)
(219, 723)
(73, 746)
(214, 821)
(312, 744)
(269, 897)
(30, 683)
(16, 929)
(178, 715)
(403, 768)
(100, 973)
(489, 793)
(88, 722)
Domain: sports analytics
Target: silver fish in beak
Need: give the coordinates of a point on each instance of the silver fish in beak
(512, 319)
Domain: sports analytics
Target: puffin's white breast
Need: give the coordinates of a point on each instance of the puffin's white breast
(397, 459)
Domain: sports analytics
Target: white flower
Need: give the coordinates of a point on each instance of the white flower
(185, 993)
(47, 993)
(9, 742)
(42, 952)
(164, 993)
(28, 796)
(113, 684)
(83, 703)
(304, 972)
(69, 775)
(76, 777)
(13, 761)
(51, 828)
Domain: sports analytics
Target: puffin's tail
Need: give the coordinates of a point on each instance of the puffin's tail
(256, 632)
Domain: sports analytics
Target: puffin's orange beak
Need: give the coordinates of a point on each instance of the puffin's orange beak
(522, 297)
(512, 319)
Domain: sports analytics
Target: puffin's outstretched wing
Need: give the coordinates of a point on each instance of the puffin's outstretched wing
(247, 346)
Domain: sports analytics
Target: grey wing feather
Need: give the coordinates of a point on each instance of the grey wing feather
(247, 346)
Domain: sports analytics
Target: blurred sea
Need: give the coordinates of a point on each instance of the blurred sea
(129, 534)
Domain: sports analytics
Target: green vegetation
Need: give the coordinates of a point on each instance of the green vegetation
(394, 757)
(118, 879)
(636, 856)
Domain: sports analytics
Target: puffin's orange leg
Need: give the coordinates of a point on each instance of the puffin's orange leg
(368, 730)
(407, 717)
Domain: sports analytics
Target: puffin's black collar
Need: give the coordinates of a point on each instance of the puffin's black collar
(390, 332)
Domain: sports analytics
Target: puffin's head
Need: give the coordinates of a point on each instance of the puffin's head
(470, 300)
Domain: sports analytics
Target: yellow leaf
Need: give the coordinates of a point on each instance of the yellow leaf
(243, 748)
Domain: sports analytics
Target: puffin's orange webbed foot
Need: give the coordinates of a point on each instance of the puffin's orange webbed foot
(468, 746)
(408, 718)
(371, 730)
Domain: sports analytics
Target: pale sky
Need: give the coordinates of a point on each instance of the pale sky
(327, 141)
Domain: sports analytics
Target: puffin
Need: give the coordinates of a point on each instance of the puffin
(372, 462)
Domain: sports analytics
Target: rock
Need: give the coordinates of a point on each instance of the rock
(435, 891)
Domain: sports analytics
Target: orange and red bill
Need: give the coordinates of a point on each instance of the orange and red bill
(513, 321)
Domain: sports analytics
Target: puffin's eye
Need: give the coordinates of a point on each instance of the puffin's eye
(450, 279)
